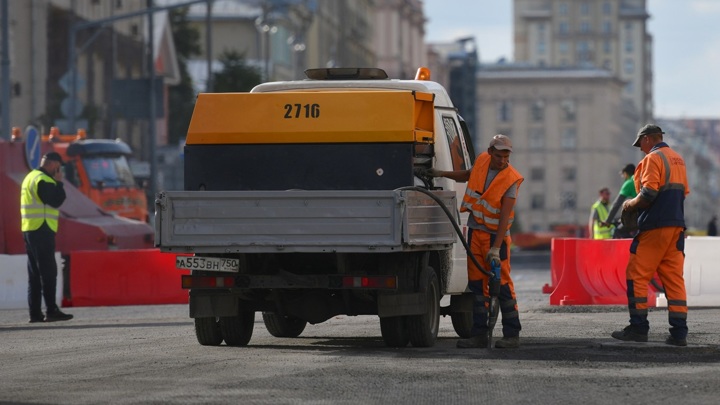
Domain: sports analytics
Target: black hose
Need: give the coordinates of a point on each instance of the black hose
(452, 220)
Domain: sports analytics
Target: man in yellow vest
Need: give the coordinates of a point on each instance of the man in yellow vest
(598, 217)
(490, 198)
(41, 195)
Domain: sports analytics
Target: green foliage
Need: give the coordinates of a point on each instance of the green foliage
(181, 97)
(236, 75)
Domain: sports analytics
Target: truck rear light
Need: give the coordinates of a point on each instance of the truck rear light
(207, 282)
(369, 282)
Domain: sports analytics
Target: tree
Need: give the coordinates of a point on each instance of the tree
(181, 97)
(236, 74)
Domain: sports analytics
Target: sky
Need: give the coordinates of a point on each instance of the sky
(686, 46)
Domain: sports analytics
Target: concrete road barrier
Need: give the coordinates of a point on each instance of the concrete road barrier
(14, 281)
(702, 271)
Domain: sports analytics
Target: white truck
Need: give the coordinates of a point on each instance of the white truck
(307, 199)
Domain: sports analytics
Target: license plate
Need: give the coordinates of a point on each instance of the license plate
(207, 263)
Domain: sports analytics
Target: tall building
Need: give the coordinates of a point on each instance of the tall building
(341, 34)
(398, 37)
(40, 53)
(698, 141)
(285, 37)
(572, 133)
(454, 65)
(608, 34)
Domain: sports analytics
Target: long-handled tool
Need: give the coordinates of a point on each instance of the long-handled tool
(494, 287)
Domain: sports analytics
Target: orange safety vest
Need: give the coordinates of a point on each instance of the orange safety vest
(485, 204)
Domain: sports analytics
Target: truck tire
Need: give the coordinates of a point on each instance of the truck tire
(207, 331)
(462, 321)
(237, 330)
(424, 328)
(283, 326)
(394, 331)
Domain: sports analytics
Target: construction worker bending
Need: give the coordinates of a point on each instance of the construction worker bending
(598, 217)
(661, 183)
(490, 198)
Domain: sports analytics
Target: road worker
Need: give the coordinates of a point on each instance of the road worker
(661, 184)
(627, 191)
(41, 194)
(490, 198)
(599, 215)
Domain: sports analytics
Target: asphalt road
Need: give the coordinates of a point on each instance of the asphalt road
(149, 354)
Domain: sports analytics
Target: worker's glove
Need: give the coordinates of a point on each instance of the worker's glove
(629, 219)
(493, 255)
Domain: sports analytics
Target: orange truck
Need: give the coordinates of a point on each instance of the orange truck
(99, 169)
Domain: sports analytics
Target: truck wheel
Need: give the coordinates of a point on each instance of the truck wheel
(283, 326)
(424, 328)
(237, 330)
(207, 331)
(394, 331)
(462, 321)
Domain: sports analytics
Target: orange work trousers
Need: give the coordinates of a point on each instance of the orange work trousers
(658, 250)
(480, 243)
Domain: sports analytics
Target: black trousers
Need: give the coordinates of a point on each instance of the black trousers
(42, 269)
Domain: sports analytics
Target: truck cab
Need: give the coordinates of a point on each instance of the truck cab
(309, 199)
(99, 169)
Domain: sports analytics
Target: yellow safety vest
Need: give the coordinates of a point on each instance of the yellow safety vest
(33, 211)
(601, 232)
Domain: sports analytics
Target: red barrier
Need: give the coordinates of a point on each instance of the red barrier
(568, 290)
(557, 257)
(125, 277)
(593, 272)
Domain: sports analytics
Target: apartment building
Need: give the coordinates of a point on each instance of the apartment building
(398, 37)
(698, 141)
(607, 34)
(572, 133)
(283, 38)
(39, 53)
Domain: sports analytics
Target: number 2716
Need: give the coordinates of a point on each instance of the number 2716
(302, 110)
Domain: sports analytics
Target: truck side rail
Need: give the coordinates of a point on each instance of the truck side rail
(302, 221)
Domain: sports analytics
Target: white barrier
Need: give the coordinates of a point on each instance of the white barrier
(702, 271)
(14, 281)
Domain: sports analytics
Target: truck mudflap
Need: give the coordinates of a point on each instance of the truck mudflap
(302, 221)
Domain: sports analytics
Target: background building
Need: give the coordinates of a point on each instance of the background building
(698, 141)
(398, 37)
(572, 133)
(284, 37)
(106, 55)
(608, 34)
(454, 65)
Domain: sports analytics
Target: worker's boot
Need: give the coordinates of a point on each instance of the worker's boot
(508, 343)
(57, 315)
(675, 341)
(630, 334)
(476, 342)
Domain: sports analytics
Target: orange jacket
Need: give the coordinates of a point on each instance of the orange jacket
(485, 204)
(661, 178)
